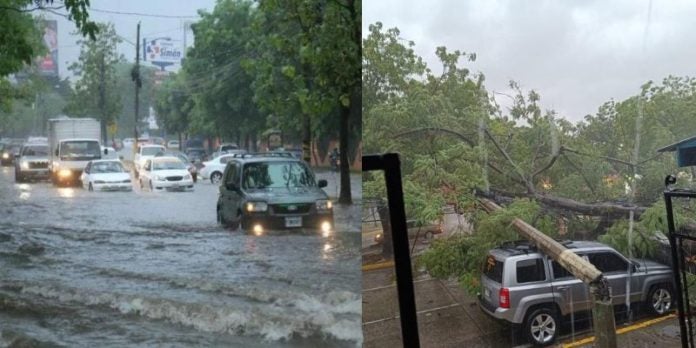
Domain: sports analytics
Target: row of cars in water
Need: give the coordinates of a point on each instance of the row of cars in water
(257, 192)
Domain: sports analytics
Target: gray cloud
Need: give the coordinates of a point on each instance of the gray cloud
(577, 55)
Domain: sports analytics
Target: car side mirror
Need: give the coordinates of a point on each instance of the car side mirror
(17, 155)
(56, 152)
(106, 151)
(322, 183)
(231, 186)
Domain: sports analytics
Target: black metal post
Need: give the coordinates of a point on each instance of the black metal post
(402, 260)
(676, 265)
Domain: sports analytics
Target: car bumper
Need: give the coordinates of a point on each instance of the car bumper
(501, 314)
(113, 187)
(172, 185)
(35, 173)
(283, 222)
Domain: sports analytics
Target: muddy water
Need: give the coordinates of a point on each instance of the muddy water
(142, 269)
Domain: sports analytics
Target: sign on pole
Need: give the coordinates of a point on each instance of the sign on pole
(162, 51)
(48, 64)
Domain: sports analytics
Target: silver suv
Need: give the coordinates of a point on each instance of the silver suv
(522, 286)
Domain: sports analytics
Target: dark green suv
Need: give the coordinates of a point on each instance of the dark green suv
(269, 192)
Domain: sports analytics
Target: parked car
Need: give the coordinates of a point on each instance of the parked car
(144, 153)
(193, 143)
(108, 153)
(173, 145)
(32, 162)
(106, 175)
(214, 168)
(522, 286)
(189, 165)
(165, 173)
(261, 192)
(427, 231)
(196, 154)
(9, 153)
(226, 147)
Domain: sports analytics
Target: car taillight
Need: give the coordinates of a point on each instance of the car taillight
(504, 298)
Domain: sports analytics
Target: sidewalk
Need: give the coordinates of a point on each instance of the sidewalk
(447, 316)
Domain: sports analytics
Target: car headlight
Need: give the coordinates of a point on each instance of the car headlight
(324, 205)
(5, 155)
(187, 177)
(24, 165)
(256, 206)
(64, 173)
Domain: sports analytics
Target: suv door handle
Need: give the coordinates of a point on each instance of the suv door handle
(562, 287)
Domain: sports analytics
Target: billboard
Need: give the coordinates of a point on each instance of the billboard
(162, 51)
(48, 64)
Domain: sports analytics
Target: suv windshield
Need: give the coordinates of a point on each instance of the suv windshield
(107, 167)
(151, 151)
(277, 175)
(35, 151)
(164, 165)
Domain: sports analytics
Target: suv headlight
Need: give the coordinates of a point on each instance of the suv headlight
(24, 165)
(5, 155)
(159, 178)
(324, 205)
(187, 177)
(256, 206)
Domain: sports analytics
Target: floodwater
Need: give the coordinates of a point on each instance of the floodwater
(82, 268)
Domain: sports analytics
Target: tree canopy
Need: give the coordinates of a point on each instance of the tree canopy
(457, 142)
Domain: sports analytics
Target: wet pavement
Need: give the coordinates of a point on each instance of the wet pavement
(82, 268)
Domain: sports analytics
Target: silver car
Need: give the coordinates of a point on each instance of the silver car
(522, 286)
(32, 162)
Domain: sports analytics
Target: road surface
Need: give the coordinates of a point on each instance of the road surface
(82, 268)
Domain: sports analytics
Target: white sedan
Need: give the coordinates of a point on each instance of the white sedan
(106, 175)
(166, 172)
(214, 168)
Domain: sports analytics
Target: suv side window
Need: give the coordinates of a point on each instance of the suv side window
(608, 262)
(231, 173)
(530, 271)
(559, 272)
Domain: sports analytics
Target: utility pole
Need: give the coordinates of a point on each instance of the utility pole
(102, 99)
(135, 75)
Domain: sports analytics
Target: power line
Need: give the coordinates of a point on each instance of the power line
(139, 14)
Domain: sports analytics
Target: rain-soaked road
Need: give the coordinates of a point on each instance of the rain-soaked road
(142, 269)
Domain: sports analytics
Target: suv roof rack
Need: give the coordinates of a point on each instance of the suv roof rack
(262, 154)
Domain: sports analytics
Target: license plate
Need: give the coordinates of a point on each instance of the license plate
(175, 185)
(487, 293)
(294, 221)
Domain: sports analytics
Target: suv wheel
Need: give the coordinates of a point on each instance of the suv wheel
(660, 299)
(541, 326)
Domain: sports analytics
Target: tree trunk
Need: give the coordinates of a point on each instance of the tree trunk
(306, 139)
(345, 195)
(105, 136)
(387, 244)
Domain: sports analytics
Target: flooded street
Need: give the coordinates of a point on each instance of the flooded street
(81, 268)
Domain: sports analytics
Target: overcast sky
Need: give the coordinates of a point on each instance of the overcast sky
(125, 24)
(576, 54)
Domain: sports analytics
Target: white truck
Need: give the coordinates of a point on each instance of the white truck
(72, 143)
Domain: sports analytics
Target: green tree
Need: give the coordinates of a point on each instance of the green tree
(20, 38)
(308, 64)
(96, 90)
